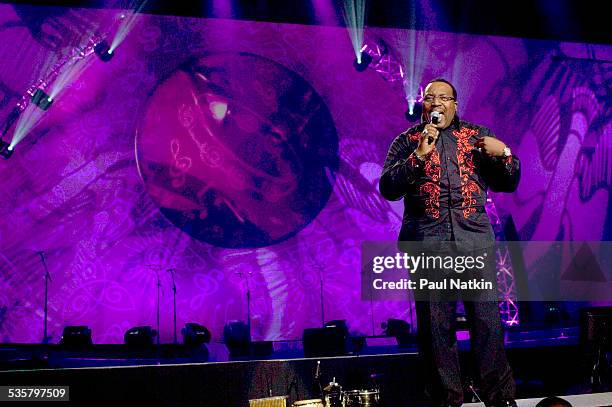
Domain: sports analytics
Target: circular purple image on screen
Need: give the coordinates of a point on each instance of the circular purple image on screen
(237, 150)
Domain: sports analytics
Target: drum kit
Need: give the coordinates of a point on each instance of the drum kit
(332, 395)
(351, 398)
(335, 397)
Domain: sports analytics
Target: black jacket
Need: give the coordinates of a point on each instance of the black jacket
(445, 196)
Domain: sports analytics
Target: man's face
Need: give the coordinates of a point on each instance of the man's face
(438, 97)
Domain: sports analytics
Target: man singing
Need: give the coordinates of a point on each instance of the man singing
(443, 168)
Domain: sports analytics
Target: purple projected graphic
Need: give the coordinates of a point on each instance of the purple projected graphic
(567, 138)
(247, 155)
(237, 150)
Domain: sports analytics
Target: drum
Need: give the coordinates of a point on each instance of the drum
(333, 394)
(279, 401)
(361, 398)
(309, 403)
(333, 400)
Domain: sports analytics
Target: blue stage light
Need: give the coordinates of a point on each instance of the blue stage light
(362, 65)
(41, 99)
(103, 51)
(414, 114)
(6, 150)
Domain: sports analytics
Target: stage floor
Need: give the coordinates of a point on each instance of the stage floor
(582, 400)
(28, 356)
(544, 363)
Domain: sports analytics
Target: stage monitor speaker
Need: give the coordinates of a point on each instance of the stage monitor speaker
(139, 337)
(329, 341)
(76, 337)
(262, 349)
(195, 335)
(237, 339)
(338, 323)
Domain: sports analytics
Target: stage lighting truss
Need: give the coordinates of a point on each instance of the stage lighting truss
(382, 61)
(38, 93)
(506, 287)
(392, 71)
(73, 57)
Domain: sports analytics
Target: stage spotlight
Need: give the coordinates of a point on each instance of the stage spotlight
(237, 338)
(195, 334)
(413, 114)
(76, 337)
(103, 51)
(361, 64)
(6, 150)
(41, 99)
(140, 337)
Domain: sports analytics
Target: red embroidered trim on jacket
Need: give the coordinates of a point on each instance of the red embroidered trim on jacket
(432, 202)
(433, 171)
(414, 136)
(466, 169)
(432, 188)
(413, 160)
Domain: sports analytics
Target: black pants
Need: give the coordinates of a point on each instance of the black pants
(438, 346)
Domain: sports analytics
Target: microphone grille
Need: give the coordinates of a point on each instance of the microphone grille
(435, 117)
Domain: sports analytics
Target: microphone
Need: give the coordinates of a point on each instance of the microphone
(435, 119)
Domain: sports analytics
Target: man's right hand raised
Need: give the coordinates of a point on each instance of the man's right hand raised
(424, 146)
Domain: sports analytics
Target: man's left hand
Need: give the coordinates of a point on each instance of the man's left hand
(490, 146)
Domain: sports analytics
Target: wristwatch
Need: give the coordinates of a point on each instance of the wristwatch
(507, 153)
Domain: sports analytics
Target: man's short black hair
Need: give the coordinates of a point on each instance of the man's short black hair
(553, 402)
(445, 81)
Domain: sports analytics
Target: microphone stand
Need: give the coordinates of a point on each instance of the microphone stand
(319, 268)
(158, 304)
(171, 271)
(248, 295)
(47, 279)
(321, 297)
(157, 268)
(248, 298)
(317, 377)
